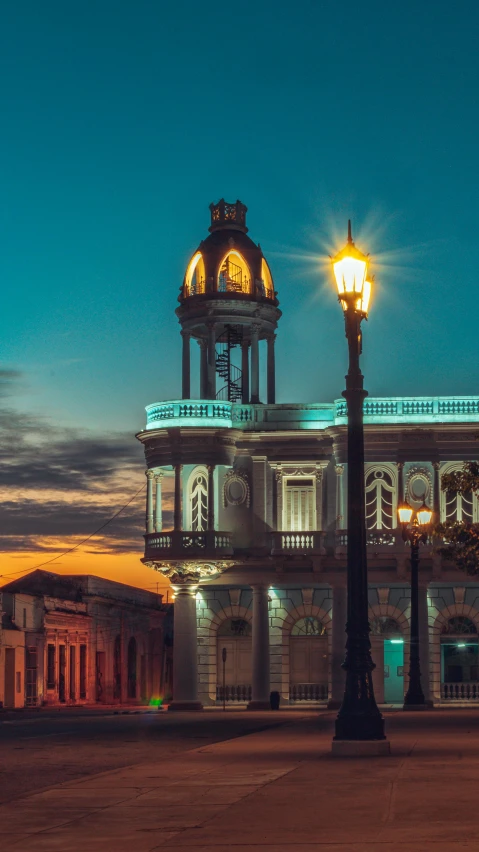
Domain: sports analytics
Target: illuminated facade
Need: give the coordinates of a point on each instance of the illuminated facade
(256, 552)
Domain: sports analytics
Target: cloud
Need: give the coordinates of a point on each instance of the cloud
(60, 485)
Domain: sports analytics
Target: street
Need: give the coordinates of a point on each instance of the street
(49, 747)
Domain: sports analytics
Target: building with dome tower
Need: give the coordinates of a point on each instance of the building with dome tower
(257, 550)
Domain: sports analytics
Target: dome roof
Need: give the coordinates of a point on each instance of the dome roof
(228, 262)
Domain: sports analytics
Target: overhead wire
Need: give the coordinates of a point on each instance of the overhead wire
(80, 543)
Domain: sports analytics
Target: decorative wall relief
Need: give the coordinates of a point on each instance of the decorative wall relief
(236, 489)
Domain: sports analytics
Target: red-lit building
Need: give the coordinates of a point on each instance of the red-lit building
(81, 640)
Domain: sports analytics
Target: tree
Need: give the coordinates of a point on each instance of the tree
(461, 539)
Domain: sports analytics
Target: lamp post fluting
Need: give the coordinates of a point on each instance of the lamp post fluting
(414, 533)
(359, 718)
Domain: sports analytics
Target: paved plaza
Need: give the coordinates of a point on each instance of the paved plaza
(275, 790)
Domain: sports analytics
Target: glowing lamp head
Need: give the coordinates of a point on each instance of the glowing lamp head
(405, 513)
(350, 268)
(424, 515)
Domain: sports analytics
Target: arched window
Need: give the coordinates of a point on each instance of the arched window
(459, 625)
(267, 288)
(383, 625)
(132, 668)
(198, 500)
(234, 275)
(308, 626)
(380, 500)
(235, 627)
(195, 276)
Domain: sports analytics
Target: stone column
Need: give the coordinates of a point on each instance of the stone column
(319, 498)
(338, 645)
(279, 498)
(339, 469)
(149, 501)
(211, 497)
(185, 653)
(271, 375)
(436, 494)
(255, 364)
(203, 344)
(400, 467)
(211, 394)
(423, 615)
(245, 370)
(158, 506)
(260, 646)
(186, 369)
(177, 506)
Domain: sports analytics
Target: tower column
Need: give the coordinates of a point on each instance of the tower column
(211, 394)
(260, 642)
(255, 364)
(245, 370)
(158, 506)
(338, 645)
(203, 344)
(185, 654)
(271, 375)
(149, 501)
(177, 507)
(186, 368)
(211, 497)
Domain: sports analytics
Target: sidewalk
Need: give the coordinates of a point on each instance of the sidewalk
(279, 790)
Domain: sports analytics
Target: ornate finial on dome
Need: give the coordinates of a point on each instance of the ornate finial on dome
(225, 215)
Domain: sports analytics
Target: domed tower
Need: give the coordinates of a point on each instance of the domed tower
(228, 305)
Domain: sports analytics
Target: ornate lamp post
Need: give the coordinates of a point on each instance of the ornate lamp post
(359, 725)
(414, 530)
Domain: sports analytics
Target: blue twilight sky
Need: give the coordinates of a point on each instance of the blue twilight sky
(122, 121)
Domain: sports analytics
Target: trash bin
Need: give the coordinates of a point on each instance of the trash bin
(274, 699)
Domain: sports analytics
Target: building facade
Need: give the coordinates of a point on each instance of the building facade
(257, 549)
(80, 640)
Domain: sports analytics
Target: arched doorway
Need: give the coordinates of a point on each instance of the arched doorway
(117, 669)
(234, 636)
(132, 668)
(308, 661)
(459, 660)
(387, 649)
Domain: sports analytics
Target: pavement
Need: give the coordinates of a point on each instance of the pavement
(277, 789)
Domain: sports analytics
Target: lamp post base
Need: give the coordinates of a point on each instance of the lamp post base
(416, 706)
(360, 748)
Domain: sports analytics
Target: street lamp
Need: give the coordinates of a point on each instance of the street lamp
(415, 525)
(359, 719)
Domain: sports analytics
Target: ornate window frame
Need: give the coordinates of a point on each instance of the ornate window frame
(198, 470)
(391, 471)
(451, 467)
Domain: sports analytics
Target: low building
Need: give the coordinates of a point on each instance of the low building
(75, 639)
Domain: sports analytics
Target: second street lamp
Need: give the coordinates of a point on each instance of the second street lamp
(414, 531)
(359, 725)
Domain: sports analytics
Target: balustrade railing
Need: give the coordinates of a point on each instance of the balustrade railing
(308, 692)
(288, 541)
(460, 691)
(187, 542)
(239, 694)
(374, 538)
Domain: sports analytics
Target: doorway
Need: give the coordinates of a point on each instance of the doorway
(393, 671)
(9, 691)
(234, 636)
(308, 661)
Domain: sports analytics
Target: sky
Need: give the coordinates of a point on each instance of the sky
(121, 122)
